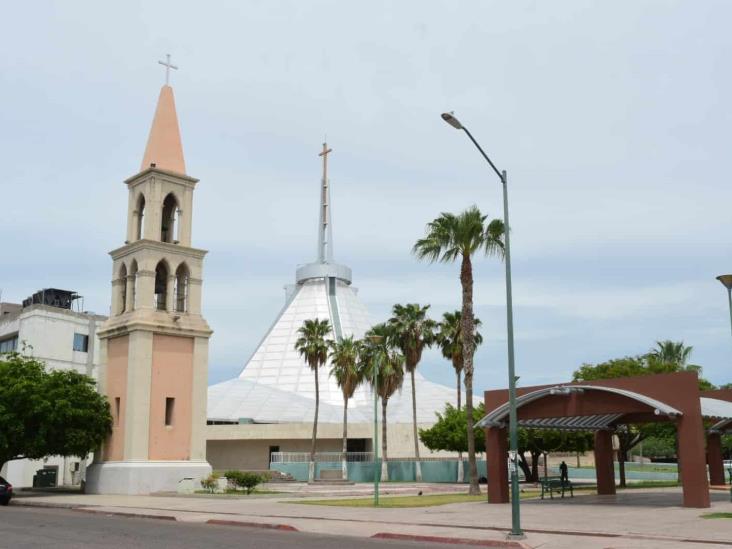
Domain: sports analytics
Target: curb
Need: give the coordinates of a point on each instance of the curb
(269, 526)
(452, 541)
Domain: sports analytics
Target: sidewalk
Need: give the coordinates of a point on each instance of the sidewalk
(638, 518)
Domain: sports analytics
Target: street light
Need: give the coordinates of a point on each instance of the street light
(726, 280)
(516, 532)
(376, 340)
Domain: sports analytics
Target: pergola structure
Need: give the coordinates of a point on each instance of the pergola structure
(603, 405)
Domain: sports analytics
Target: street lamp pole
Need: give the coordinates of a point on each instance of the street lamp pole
(516, 532)
(726, 280)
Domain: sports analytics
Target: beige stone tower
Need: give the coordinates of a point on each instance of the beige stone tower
(155, 343)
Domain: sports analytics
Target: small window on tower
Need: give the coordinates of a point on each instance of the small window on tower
(169, 406)
(81, 343)
(116, 410)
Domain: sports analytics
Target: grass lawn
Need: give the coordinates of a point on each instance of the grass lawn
(429, 500)
(396, 501)
(717, 515)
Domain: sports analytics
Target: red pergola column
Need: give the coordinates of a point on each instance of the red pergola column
(715, 459)
(496, 452)
(604, 466)
(692, 460)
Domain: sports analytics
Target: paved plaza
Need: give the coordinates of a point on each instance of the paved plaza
(632, 518)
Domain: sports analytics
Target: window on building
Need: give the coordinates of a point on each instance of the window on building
(181, 288)
(81, 343)
(116, 410)
(161, 286)
(9, 345)
(169, 406)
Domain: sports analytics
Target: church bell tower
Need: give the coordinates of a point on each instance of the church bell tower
(155, 342)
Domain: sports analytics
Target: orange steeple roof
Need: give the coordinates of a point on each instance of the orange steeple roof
(164, 148)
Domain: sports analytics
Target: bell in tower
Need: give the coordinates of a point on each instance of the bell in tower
(155, 343)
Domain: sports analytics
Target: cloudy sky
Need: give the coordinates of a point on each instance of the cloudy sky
(612, 119)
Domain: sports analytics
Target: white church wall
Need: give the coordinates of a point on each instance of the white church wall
(247, 446)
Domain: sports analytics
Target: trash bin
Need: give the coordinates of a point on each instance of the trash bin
(45, 478)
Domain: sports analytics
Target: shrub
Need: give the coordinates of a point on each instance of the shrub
(210, 482)
(241, 479)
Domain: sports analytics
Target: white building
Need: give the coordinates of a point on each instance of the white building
(47, 327)
(270, 406)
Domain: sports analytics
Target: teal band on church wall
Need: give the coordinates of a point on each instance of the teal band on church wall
(399, 471)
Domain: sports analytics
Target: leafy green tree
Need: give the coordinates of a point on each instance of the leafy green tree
(383, 359)
(344, 360)
(451, 237)
(46, 413)
(313, 347)
(412, 331)
(449, 433)
(666, 357)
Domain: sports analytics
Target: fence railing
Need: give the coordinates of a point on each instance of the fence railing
(333, 457)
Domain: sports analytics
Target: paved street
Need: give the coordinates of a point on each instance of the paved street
(29, 528)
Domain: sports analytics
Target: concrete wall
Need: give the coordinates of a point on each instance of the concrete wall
(247, 446)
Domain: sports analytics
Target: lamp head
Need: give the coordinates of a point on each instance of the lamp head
(449, 117)
(726, 280)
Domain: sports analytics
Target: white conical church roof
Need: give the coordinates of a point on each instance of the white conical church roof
(277, 385)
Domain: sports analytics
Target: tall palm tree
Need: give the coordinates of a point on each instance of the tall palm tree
(389, 379)
(313, 347)
(412, 331)
(450, 339)
(672, 352)
(451, 237)
(344, 360)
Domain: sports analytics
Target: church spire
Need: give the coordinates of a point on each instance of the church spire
(164, 148)
(325, 231)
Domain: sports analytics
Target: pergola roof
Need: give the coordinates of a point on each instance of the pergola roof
(721, 410)
(499, 416)
(711, 408)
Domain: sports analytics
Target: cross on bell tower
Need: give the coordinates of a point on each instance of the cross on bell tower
(168, 65)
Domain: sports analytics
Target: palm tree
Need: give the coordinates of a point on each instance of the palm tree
(412, 332)
(344, 360)
(672, 352)
(451, 237)
(450, 339)
(390, 377)
(313, 347)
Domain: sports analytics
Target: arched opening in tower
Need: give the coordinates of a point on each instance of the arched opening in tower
(140, 229)
(170, 219)
(181, 288)
(161, 286)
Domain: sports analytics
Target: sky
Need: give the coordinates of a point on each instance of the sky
(611, 118)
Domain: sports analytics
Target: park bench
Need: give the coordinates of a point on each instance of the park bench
(550, 485)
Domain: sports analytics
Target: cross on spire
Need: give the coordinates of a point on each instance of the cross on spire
(325, 233)
(168, 65)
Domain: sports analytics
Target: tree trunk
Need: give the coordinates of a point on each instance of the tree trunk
(345, 438)
(578, 459)
(622, 458)
(524, 464)
(417, 467)
(311, 469)
(458, 390)
(384, 466)
(461, 469)
(534, 467)
(466, 281)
